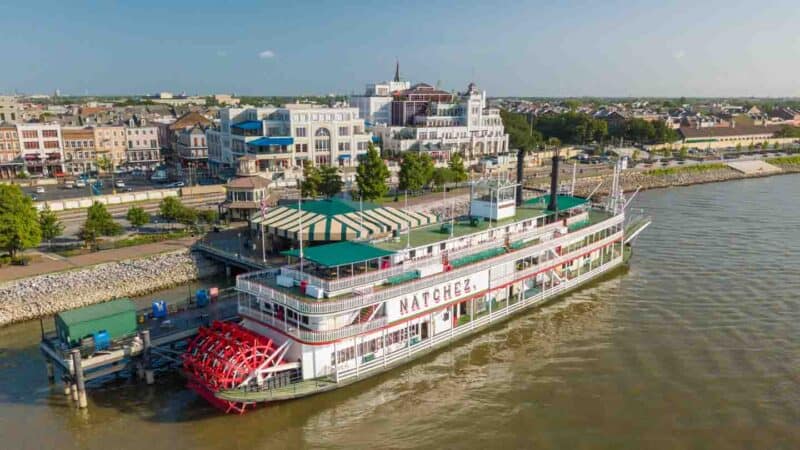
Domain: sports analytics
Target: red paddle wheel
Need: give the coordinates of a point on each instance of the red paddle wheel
(224, 356)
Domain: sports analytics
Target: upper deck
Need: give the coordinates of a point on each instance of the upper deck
(404, 262)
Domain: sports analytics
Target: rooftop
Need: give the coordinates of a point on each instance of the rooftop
(98, 311)
(340, 253)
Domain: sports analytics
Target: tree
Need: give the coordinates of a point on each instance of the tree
(371, 175)
(137, 216)
(208, 216)
(684, 153)
(739, 147)
(636, 154)
(456, 166)
(104, 163)
(98, 223)
(312, 179)
(751, 146)
(332, 182)
(49, 224)
(187, 216)
(776, 145)
(170, 208)
(442, 176)
(427, 167)
(19, 222)
(411, 173)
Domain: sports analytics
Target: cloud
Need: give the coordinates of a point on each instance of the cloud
(266, 54)
(678, 54)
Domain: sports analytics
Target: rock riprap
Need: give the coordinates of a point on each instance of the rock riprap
(42, 295)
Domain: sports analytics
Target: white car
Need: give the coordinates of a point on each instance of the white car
(40, 189)
(80, 183)
(119, 184)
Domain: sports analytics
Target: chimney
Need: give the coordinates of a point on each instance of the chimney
(553, 206)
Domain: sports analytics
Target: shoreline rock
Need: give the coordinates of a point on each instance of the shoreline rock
(47, 294)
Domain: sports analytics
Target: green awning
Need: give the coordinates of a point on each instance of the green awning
(339, 253)
(565, 202)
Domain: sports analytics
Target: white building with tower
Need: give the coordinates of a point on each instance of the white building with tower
(375, 106)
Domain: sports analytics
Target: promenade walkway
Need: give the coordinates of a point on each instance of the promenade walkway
(54, 263)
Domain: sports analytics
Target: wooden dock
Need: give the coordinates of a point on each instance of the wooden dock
(158, 342)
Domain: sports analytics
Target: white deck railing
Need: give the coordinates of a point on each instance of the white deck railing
(407, 352)
(327, 306)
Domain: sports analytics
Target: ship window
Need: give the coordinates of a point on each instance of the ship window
(430, 249)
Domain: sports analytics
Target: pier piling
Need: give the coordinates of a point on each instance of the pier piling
(79, 392)
(148, 369)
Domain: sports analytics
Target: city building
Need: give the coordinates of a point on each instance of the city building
(10, 109)
(110, 142)
(168, 98)
(226, 99)
(282, 138)
(246, 193)
(706, 138)
(142, 151)
(191, 148)
(375, 106)
(11, 164)
(80, 151)
(427, 119)
(41, 148)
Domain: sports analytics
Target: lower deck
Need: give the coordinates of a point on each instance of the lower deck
(413, 345)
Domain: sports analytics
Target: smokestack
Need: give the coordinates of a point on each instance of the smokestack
(520, 167)
(553, 206)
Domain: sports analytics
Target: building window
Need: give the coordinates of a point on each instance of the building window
(30, 134)
(344, 131)
(300, 132)
(50, 133)
(31, 145)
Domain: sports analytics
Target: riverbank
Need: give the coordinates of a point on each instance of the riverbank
(42, 295)
(680, 176)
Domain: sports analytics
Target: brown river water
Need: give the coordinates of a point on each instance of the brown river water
(696, 345)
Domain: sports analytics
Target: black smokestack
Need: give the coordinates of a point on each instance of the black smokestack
(520, 166)
(553, 206)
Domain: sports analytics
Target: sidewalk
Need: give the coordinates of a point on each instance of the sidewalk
(8, 273)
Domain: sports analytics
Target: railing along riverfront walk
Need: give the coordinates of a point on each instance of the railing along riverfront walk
(327, 306)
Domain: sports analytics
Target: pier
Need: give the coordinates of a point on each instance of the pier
(157, 343)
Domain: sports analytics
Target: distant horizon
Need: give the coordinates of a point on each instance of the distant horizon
(574, 49)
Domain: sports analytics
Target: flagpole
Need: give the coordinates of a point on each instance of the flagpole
(263, 235)
(300, 231)
(408, 235)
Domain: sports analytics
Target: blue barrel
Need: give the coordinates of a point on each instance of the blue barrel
(102, 340)
(159, 309)
(202, 298)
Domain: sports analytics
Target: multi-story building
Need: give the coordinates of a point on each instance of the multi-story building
(110, 142)
(142, 150)
(80, 151)
(430, 120)
(375, 106)
(191, 148)
(41, 148)
(168, 132)
(10, 155)
(10, 110)
(282, 138)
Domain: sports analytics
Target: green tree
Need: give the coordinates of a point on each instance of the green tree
(636, 155)
(427, 167)
(371, 175)
(442, 176)
(187, 216)
(684, 153)
(332, 182)
(751, 146)
(49, 224)
(739, 147)
(411, 174)
(312, 180)
(98, 223)
(208, 216)
(19, 222)
(776, 145)
(137, 216)
(104, 163)
(170, 208)
(456, 166)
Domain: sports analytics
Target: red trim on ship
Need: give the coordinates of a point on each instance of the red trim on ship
(436, 309)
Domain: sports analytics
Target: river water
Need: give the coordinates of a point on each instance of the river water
(697, 345)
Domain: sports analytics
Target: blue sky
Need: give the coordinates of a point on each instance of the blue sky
(572, 48)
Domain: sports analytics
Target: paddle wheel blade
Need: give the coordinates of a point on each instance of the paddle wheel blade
(222, 357)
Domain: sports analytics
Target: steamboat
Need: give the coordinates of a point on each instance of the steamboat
(367, 288)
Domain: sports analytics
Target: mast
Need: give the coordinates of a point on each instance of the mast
(300, 231)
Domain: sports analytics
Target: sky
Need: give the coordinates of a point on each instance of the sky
(292, 47)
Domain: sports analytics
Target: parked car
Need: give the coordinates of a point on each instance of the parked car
(69, 184)
(80, 183)
(40, 189)
(119, 184)
(176, 184)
